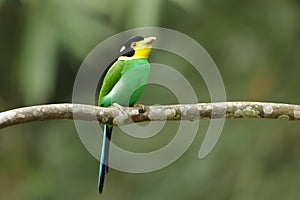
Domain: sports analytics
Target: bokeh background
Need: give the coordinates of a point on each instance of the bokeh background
(255, 44)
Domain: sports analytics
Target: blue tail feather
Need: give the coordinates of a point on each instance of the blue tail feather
(103, 167)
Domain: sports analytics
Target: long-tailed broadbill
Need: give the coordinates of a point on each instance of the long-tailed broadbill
(123, 84)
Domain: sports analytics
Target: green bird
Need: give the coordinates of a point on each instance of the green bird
(123, 84)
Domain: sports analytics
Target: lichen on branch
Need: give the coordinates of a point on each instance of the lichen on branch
(126, 115)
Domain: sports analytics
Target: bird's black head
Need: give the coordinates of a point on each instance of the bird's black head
(137, 46)
(126, 49)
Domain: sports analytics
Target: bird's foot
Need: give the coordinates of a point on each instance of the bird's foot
(122, 115)
(140, 107)
(120, 108)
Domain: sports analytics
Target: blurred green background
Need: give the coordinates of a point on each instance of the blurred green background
(255, 44)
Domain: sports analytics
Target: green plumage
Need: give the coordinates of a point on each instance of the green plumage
(124, 82)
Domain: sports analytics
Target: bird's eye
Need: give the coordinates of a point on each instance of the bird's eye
(133, 44)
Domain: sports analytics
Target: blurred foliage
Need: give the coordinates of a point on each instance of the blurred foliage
(255, 44)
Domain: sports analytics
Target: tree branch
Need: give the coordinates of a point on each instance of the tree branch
(126, 115)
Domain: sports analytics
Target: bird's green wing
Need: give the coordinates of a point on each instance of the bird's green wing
(110, 79)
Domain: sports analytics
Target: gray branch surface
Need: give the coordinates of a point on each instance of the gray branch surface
(125, 115)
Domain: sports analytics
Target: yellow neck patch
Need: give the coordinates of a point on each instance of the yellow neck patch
(141, 53)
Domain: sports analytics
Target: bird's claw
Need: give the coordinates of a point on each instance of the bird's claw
(140, 107)
(119, 107)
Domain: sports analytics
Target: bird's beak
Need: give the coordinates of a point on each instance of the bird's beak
(149, 40)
